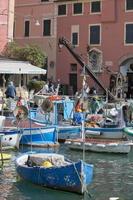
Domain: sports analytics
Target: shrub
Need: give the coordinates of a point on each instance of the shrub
(35, 85)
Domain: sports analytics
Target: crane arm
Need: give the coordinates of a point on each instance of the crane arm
(66, 43)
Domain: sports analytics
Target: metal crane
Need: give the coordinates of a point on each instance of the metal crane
(67, 44)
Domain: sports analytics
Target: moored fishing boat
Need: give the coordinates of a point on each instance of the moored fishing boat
(10, 134)
(103, 132)
(60, 116)
(64, 130)
(39, 136)
(108, 125)
(28, 132)
(10, 137)
(103, 146)
(54, 171)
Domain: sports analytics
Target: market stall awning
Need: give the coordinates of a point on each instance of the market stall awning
(19, 67)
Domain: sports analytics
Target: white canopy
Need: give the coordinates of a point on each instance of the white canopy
(19, 67)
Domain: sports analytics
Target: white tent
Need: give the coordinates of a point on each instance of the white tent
(8, 66)
(19, 67)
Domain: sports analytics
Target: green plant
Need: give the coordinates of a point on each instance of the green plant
(31, 53)
(35, 85)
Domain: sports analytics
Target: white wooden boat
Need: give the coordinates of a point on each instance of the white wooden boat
(102, 146)
(11, 137)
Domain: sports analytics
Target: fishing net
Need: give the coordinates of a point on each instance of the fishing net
(47, 105)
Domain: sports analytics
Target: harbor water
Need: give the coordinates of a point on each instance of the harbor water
(113, 177)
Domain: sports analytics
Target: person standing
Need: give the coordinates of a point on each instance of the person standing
(10, 91)
(45, 88)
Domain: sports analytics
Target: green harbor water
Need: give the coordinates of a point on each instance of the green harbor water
(113, 177)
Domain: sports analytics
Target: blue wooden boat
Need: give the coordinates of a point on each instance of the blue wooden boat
(39, 136)
(54, 171)
(61, 117)
(62, 110)
(64, 130)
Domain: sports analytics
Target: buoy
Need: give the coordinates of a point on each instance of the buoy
(47, 164)
(54, 98)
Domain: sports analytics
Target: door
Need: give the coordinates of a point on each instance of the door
(130, 85)
(73, 82)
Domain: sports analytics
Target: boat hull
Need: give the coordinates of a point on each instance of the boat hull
(66, 132)
(110, 133)
(129, 132)
(39, 136)
(10, 138)
(72, 177)
(101, 147)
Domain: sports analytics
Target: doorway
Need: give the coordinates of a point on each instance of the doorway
(130, 85)
(73, 82)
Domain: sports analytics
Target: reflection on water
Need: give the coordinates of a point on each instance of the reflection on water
(113, 177)
(30, 191)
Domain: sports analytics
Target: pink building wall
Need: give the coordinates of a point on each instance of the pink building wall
(36, 10)
(114, 51)
(112, 18)
(3, 24)
(6, 22)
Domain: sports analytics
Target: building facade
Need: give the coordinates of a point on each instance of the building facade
(101, 33)
(6, 22)
(35, 23)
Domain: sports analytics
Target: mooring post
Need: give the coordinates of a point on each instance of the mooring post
(1, 153)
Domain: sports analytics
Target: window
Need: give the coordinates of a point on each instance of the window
(73, 67)
(62, 9)
(47, 27)
(14, 28)
(77, 8)
(26, 28)
(75, 34)
(95, 6)
(129, 4)
(75, 38)
(129, 34)
(95, 34)
(44, 0)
